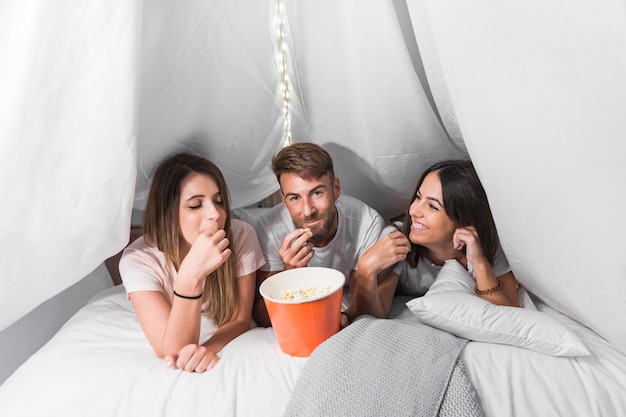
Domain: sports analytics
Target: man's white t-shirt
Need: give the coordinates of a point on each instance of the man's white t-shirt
(358, 229)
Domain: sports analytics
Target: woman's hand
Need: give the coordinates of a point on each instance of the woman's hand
(506, 294)
(389, 250)
(193, 358)
(467, 237)
(373, 284)
(207, 253)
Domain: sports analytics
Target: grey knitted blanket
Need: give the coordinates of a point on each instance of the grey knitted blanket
(393, 367)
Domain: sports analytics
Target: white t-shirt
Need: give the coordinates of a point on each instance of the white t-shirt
(143, 267)
(359, 228)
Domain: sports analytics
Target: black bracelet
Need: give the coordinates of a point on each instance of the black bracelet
(186, 297)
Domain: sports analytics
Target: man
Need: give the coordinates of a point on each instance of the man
(315, 225)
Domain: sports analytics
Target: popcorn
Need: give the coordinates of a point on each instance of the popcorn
(303, 293)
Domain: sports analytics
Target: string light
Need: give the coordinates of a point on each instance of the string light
(282, 59)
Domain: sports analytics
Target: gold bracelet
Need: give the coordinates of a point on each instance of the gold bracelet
(489, 291)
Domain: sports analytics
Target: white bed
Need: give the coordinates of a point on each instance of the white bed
(512, 381)
(100, 364)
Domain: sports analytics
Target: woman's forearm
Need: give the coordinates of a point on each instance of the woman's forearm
(183, 325)
(375, 292)
(367, 297)
(225, 334)
(499, 291)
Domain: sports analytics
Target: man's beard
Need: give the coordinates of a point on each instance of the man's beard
(320, 233)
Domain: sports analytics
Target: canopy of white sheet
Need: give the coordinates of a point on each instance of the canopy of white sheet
(68, 76)
(94, 96)
(210, 82)
(540, 94)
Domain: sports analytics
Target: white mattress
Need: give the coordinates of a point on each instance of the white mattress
(100, 364)
(513, 381)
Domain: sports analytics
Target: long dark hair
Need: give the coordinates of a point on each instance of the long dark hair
(465, 202)
(161, 227)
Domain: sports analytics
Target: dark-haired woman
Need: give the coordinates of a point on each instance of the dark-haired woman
(449, 218)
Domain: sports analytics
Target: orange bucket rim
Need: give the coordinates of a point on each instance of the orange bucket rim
(308, 300)
(311, 269)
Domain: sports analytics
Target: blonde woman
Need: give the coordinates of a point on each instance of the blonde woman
(192, 259)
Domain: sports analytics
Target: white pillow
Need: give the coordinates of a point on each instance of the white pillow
(451, 305)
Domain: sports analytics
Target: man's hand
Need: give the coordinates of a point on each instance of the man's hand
(296, 251)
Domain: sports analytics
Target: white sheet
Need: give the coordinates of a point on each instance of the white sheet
(536, 91)
(67, 143)
(100, 364)
(533, 384)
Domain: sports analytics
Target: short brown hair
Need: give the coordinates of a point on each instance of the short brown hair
(305, 159)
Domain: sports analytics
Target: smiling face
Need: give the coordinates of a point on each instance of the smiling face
(201, 205)
(430, 225)
(311, 204)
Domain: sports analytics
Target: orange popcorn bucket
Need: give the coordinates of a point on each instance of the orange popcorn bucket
(300, 325)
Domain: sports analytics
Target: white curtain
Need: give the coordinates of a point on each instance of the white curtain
(67, 142)
(210, 81)
(540, 94)
(95, 93)
(362, 98)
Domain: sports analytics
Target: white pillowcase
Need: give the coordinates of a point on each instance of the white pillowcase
(451, 305)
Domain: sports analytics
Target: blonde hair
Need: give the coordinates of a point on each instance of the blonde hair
(162, 228)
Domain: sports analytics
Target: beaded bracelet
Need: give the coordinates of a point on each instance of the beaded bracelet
(186, 297)
(488, 291)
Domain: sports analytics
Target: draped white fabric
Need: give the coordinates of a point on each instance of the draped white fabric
(67, 143)
(538, 89)
(210, 81)
(540, 94)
